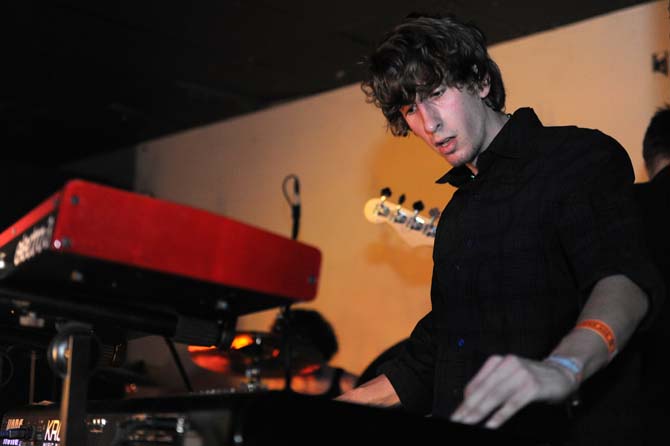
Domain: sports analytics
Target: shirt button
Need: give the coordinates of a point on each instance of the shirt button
(469, 243)
(457, 266)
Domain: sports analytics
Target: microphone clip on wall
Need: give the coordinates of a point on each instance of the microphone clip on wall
(659, 62)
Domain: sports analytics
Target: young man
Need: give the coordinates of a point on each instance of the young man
(653, 198)
(540, 276)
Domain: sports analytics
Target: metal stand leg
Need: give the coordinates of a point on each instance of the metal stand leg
(75, 388)
(31, 384)
(286, 348)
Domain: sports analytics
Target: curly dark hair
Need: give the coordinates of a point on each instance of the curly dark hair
(423, 53)
(310, 326)
(656, 141)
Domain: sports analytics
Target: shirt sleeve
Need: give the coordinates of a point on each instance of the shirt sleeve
(598, 222)
(411, 372)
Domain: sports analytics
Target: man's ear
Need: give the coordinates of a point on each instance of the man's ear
(485, 87)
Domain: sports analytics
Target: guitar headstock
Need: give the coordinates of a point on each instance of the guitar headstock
(410, 225)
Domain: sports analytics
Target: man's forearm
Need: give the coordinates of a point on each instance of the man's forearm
(618, 302)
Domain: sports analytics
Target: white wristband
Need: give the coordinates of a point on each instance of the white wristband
(572, 365)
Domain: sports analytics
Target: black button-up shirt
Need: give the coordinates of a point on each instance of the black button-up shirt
(517, 251)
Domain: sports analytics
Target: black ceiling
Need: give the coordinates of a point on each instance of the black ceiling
(80, 78)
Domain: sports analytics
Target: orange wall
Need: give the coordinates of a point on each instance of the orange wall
(374, 287)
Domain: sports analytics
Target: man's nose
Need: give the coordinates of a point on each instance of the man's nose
(432, 122)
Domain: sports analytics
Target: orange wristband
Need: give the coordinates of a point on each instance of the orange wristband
(603, 330)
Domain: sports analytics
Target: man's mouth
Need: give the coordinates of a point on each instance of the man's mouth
(446, 146)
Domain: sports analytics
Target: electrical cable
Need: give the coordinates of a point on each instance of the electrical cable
(180, 366)
(294, 202)
(284, 325)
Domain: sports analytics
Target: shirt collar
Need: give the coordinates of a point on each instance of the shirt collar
(510, 142)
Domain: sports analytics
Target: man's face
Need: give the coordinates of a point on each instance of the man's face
(452, 122)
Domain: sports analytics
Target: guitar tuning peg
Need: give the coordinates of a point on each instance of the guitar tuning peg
(416, 223)
(386, 192)
(418, 206)
(401, 199)
(431, 228)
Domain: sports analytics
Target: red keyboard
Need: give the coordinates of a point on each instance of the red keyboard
(106, 240)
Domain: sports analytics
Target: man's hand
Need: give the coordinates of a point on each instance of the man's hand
(506, 384)
(376, 392)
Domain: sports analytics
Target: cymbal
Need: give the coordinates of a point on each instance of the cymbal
(260, 351)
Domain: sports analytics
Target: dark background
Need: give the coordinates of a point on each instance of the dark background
(80, 78)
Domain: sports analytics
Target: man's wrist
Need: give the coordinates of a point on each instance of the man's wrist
(570, 366)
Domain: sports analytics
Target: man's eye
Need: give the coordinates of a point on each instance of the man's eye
(437, 93)
(409, 109)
